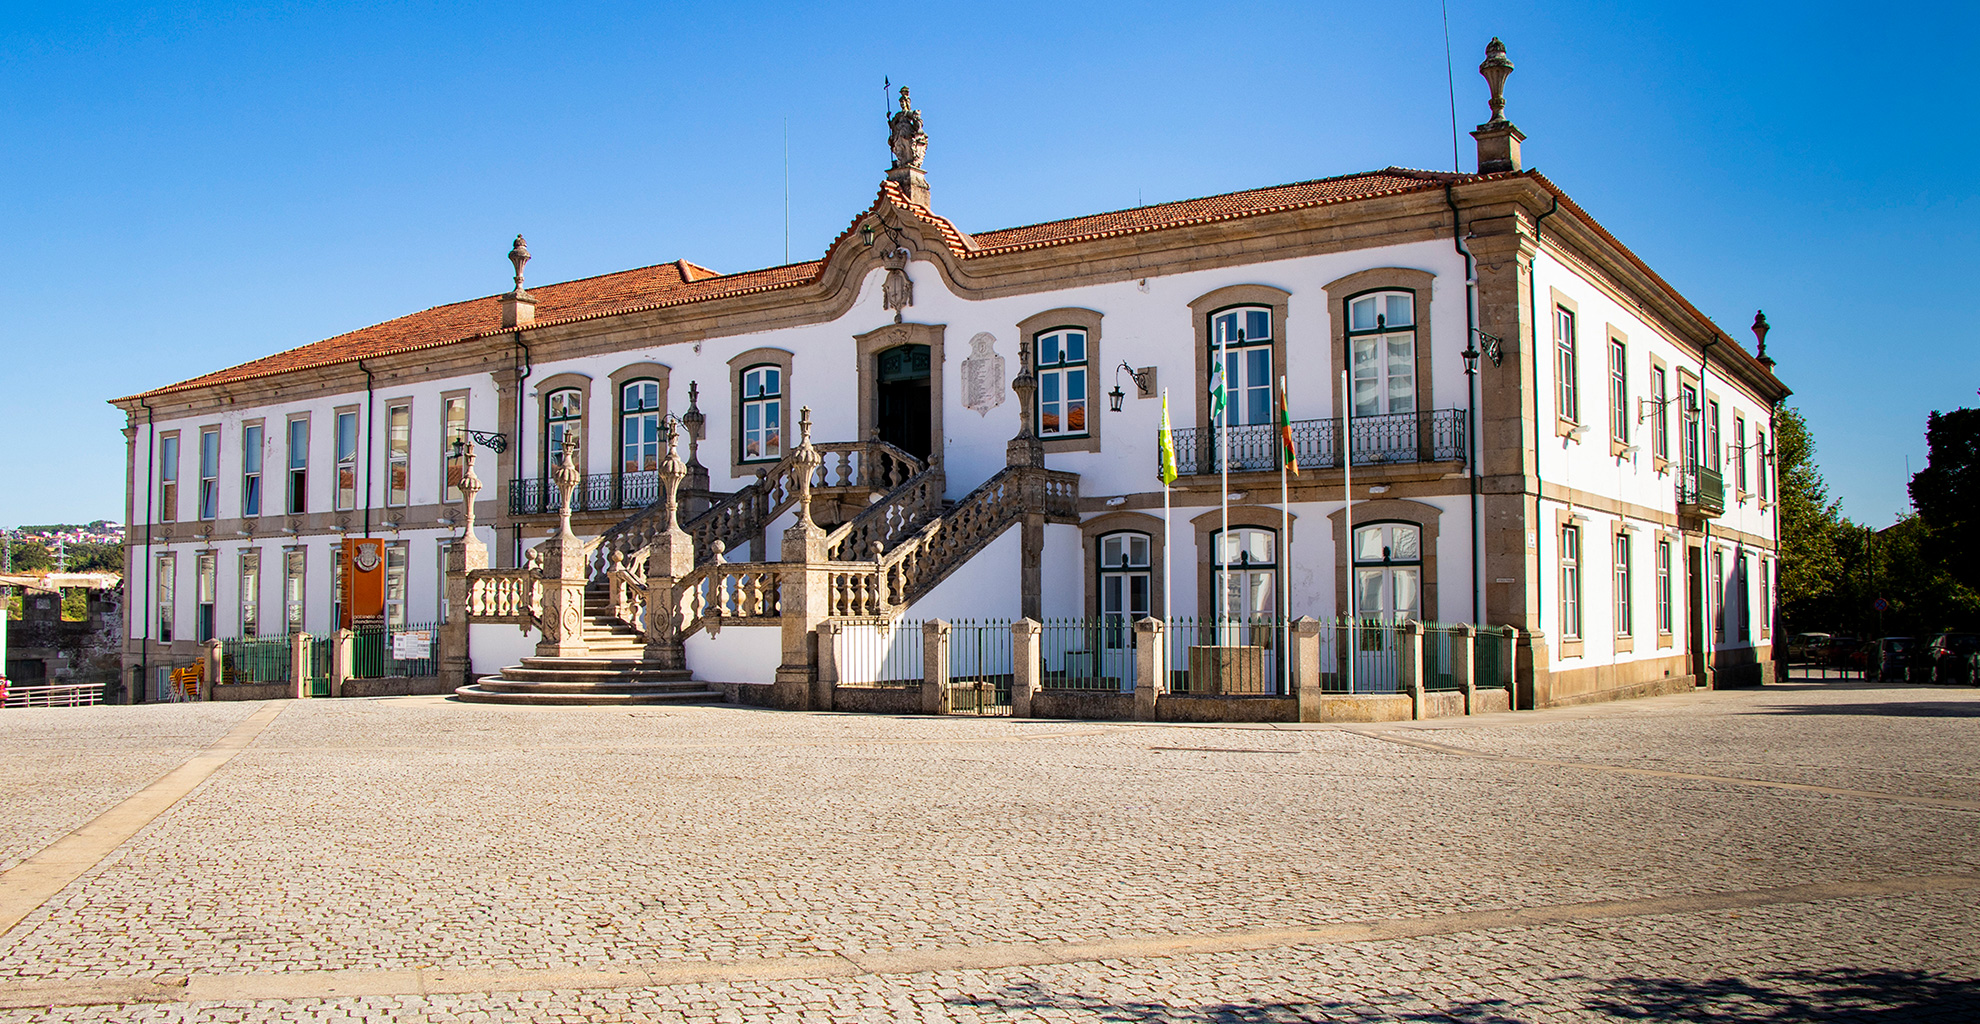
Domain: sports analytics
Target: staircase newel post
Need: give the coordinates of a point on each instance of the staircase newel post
(1025, 665)
(804, 598)
(563, 572)
(1025, 449)
(1151, 668)
(669, 558)
(935, 667)
(463, 557)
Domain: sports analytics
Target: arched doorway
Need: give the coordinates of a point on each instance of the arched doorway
(901, 395)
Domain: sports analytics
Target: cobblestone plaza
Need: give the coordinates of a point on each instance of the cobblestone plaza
(1800, 852)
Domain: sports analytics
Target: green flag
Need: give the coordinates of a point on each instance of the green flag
(1167, 442)
(1217, 391)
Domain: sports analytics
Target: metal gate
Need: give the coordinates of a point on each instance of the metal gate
(980, 673)
(321, 650)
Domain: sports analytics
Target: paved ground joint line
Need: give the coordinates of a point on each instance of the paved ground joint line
(38, 878)
(332, 984)
(1665, 773)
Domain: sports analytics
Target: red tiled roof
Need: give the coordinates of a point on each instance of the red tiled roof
(680, 281)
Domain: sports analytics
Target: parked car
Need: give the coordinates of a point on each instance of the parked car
(1952, 657)
(1807, 647)
(1894, 657)
(1838, 651)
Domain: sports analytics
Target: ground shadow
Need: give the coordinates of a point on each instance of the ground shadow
(1774, 998)
(1890, 709)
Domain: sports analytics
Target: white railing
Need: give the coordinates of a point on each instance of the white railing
(52, 695)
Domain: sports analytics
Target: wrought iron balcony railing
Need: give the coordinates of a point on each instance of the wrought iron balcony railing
(597, 492)
(1702, 491)
(1433, 436)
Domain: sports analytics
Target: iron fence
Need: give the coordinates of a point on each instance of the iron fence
(382, 651)
(1360, 656)
(1087, 654)
(1435, 435)
(322, 653)
(1231, 656)
(1440, 657)
(879, 653)
(1489, 657)
(246, 660)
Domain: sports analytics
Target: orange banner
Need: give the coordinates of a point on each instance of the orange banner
(364, 579)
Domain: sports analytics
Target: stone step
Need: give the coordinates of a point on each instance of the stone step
(477, 695)
(629, 663)
(634, 677)
(514, 680)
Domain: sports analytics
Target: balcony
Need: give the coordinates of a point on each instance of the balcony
(1701, 492)
(1406, 437)
(599, 492)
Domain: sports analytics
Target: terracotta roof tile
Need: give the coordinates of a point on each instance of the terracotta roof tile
(680, 281)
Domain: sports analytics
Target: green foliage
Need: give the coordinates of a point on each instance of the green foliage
(75, 604)
(31, 556)
(1811, 527)
(87, 557)
(1946, 492)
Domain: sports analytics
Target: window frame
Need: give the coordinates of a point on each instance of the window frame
(344, 458)
(1061, 371)
(1388, 561)
(1618, 390)
(296, 466)
(1739, 456)
(656, 413)
(1383, 335)
(1715, 600)
(206, 595)
(1660, 419)
(1714, 439)
(1126, 573)
(253, 459)
(398, 452)
(168, 477)
(751, 359)
(1234, 402)
(1766, 598)
(1567, 392)
(1625, 610)
(209, 474)
(249, 573)
(398, 561)
(1761, 459)
(1691, 427)
(165, 593)
(564, 422)
(1571, 596)
(1666, 606)
(452, 463)
(295, 589)
(764, 400)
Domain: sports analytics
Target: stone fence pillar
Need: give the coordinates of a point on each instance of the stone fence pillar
(935, 667)
(1151, 667)
(828, 665)
(1306, 667)
(1464, 649)
(299, 664)
(214, 664)
(1409, 664)
(1025, 665)
(343, 653)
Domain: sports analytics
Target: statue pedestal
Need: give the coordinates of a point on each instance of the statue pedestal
(563, 598)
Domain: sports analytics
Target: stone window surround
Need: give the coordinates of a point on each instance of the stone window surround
(1558, 301)
(1087, 320)
(1204, 306)
(867, 348)
(357, 457)
(1739, 459)
(1687, 376)
(1341, 291)
(1668, 637)
(206, 566)
(1711, 438)
(567, 381)
(1572, 647)
(241, 498)
(446, 454)
(243, 556)
(309, 439)
(1211, 523)
(1625, 642)
(170, 513)
(740, 362)
(301, 577)
(659, 373)
(1660, 463)
(385, 450)
(199, 482)
(1616, 337)
(1090, 532)
(1428, 521)
(165, 584)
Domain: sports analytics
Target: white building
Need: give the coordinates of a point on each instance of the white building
(1568, 485)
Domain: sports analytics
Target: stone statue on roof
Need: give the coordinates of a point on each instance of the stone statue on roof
(907, 140)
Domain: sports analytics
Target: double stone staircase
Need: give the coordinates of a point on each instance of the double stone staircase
(896, 540)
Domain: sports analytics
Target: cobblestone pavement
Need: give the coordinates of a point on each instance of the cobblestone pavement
(1794, 853)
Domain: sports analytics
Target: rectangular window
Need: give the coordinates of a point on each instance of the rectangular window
(166, 588)
(347, 467)
(293, 590)
(168, 478)
(1688, 425)
(1716, 600)
(251, 470)
(1625, 617)
(395, 584)
(1713, 455)
(1761, 457)
(1664, 586)
(250, 593)
(1567, 400)
(763, 414)
(1062, 379)
(1660, 442)
(1742, 599)
(1381, 333)
(209, 473)
(1739, 454)
(1618, 391)
(337, 590)
(445, 552)
(1766, 598)
(1570, 583)
(298, 466)
(453, 439)
(398, 453)
(205, 585)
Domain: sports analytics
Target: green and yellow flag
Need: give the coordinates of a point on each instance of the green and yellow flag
(1285, 431)
(1168, 444)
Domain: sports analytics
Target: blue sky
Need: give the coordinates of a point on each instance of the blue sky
(193, 186)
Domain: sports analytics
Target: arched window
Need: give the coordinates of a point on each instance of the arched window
(1381, 334)
(763, 414)
(1388, 571)
(1247, 568)
(563, 417)
(1062, 375)
(1241, 365)
(639, 427)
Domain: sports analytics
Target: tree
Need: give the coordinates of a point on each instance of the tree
(1946, 492)
(1811, 525)
(84, 556)
(30, 556)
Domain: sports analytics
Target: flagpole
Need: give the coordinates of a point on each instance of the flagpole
(1347, 524)
(1285, 544)
(1166, 535)
(1219, 558)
